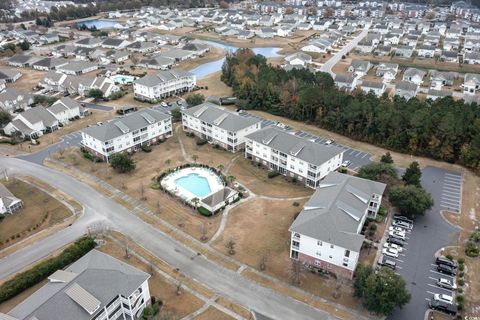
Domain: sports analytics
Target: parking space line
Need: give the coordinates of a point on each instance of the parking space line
(351, 151)
(453, 175)
(446, 179)
(457, 189)
(452, 183)
(450, 202)
(430, 292)
(366, 154)
(452, 192)
(450, 197)
(437, 287)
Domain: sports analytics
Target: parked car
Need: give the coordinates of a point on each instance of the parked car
(393, 246)
(397, 234)
(384, 261)
(398, 229)
(390, 252)
(445, 261)
(448, 308)
(346, 163)
(396, 241)
(403, 218)
(446, 284)
(402, 224)
(329, 142)
(443, 297)
(446, 269)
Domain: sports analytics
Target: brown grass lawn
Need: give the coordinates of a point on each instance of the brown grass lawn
(260, 228)
(213, 314)
(28, 80)
(215, 86)
(39, 211)
(436, 315)
(256, 179)
(179, 306)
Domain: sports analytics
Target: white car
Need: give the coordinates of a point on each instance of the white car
(398, 229)
(446, 284)
(397, 234)
(443, 297)
(329, 142)
(402, 224)
(390, 252)
(393, 246)
(346, 163)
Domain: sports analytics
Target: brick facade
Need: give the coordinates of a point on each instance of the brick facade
(324, 265)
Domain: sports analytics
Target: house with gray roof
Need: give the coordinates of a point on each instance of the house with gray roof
(414, 75)
(66, 109)
(326, 235)
(294, 155)
(97, 286)
(77, 67)
(219, 126)
(406, 89)
(32, 123)
(142, 46)
(345, 82)
(359, 67)
(22, 60)
(47, 64)
(91, 42)
(127, 134)
(375, 87)
(8, 202)
(435, 94)
(12, 100)
(163, 84)
(158, 62)
(9, 75)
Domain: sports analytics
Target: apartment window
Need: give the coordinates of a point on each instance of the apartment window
(330, 257)
(294, 254)
(345, 264)
(318, 253)
(319, 243)
(295, 244)
(331, 246)
(347, 253)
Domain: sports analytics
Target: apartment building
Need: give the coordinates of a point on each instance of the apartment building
(292, 155)
(127, 134)
(326, 235)
(219, 126)
(163, 84)
(95, 287)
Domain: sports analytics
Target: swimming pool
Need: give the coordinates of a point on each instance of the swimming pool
(195, 184)
(99, 23)
(123, 79)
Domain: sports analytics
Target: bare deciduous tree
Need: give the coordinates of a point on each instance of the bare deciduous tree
(158, 206)
(179, 288)
(295, 272)
(263, 262)
(126, 249)
(230, 245)
(151, 267)
(180, 220)
(203, 232)
(141, 190)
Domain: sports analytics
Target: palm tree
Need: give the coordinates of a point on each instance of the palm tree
(220, 167)
(230, 179)
(194, 158)
(167, 162)
(195, 202)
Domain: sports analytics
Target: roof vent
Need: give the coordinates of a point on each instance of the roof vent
(220, 119)
(199, 112)
(120, 125)
(84, 298)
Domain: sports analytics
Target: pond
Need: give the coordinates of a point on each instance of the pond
(214, 66)
(99, 23)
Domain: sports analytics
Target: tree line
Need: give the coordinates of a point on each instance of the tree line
(444, 129)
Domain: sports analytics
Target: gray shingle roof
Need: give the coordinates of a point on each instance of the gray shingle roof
(210, 112)
(335, 211)
(132, 121)
(100, 275)
(286, 142)
(162, 76)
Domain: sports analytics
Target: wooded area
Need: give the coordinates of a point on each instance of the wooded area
(444, 129)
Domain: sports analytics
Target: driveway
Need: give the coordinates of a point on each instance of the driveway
(430, 233)
(98, 107)
(69, 140)
(98, 207)
(327, 66)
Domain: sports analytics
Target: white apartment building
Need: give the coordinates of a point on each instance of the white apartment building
(326, 235)
(127, 134)
(292, 155)
(219, 126)
(163, 84)
(96, 287)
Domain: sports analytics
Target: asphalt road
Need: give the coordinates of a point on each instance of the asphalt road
(430, 233)
(98, 107)
(327, 66)
(100, 208)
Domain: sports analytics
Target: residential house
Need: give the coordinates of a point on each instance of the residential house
(292, 155)
(163, 84)
(438, 79)
(9, 75)
(12, 100)
(388, 71)
(245, 34)
(22, 60)
(383, 50)
(369, 43)
(359, 67)
(8, 202)
(66, 109)
(406, 89)
(449, 56)
(32, 123)
(326, 235)
(451, 44)
(414, 75)
(77, 67)
(471, 58)
(435, 94)
(92, 42)
(157, 62)
(49, 38)
(116, 56)
(219, 126)
(97, 286)
(142, 46)
(179, 54)
(345, 82)
(320, 45)
(127, 134)
(411, 40)
(391, 39)
(404, 51)
(112, 43)
(299, 59)
(266, 33)
(377, 88)
(47, 64)
(426, 51)
(471, 83)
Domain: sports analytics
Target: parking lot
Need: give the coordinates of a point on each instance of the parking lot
(430, 233)
(357, 158)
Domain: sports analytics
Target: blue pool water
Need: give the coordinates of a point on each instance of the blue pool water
(99, 23)
(195, 184)
(123, 79)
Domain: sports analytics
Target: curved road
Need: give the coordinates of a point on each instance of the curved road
(100, 208)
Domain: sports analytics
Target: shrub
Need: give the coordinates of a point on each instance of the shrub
(216, 146)
(373, 227)
(461, 274)
(201, 142)
(371, 232)
(296, 204)
(461, 261)
(472, 249)
(461, 282)
(449, 257)
(122, 163)
(147, 148)
(461, 267)
(460, 298)
(343, 170)
(41, 271)
(272, 174)
(204, 212)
